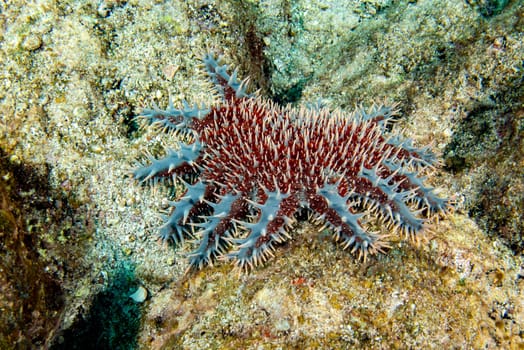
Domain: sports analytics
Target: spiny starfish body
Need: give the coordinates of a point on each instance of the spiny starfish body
(257, 165)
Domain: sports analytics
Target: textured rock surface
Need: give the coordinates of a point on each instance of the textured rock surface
(73, 74)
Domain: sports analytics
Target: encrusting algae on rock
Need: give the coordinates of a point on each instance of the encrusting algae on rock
(251, 166)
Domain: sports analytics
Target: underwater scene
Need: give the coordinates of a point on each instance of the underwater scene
(262, 174)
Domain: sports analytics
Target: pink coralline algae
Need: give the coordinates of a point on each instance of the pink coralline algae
(250, 166)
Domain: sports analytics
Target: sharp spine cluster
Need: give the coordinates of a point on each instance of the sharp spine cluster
(257, 165)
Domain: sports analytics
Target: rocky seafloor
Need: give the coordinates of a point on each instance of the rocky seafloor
(78, 235)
